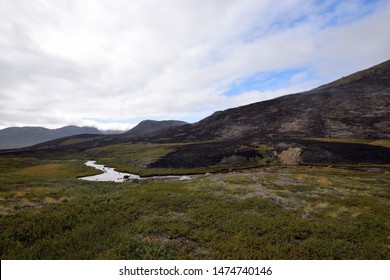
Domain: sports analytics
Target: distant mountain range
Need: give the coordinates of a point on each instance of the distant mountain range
(19, 137)
(351, 108)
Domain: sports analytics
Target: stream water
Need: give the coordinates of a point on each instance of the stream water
(111, 175)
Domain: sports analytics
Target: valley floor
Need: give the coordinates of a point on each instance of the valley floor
(261, 213)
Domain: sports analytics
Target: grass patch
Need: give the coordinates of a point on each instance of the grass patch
(10, 164)
(381, 142)
(283, 213)
(139, 154)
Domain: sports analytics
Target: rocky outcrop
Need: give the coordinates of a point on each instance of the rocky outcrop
(291, 156)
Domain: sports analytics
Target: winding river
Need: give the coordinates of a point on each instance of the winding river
(111, 175)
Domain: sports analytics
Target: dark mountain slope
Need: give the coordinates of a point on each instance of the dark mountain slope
(148, 126)
(356, 106)
(17, 137)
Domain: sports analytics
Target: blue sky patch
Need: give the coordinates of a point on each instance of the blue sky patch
(263, 81)
(343, 12)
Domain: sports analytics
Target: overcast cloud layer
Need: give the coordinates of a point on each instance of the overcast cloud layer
(113, 63)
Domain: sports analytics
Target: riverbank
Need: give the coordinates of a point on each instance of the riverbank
(111, 175)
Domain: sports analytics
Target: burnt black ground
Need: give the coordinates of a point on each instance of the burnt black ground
(312, 152)
(208, 154)
(318, 152)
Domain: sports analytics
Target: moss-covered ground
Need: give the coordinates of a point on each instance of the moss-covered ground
(261, 213)
(334, 212)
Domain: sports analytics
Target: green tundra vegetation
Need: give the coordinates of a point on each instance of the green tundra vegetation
(273, 212)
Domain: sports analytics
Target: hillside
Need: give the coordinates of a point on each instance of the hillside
(148, 126)
(18, 137)
(356, 106)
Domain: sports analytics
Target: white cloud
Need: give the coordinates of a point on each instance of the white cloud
(67, 62)
(109, 125)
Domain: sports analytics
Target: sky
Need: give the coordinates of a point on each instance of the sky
(113, 63)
